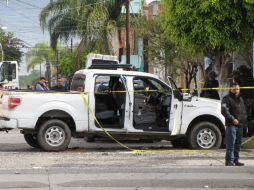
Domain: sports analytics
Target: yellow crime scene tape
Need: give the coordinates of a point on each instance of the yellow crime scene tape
(123, 145)
(133, 91)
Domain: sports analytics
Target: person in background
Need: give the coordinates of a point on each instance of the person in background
(234, 111)
(59, 86)
(246, 81)
(211, 82)
(41, 85)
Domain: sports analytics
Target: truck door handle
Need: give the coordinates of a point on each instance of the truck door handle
(175, 106)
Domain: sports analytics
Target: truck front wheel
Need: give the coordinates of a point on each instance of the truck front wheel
(32, 140)
(205, 135)
(54, 135)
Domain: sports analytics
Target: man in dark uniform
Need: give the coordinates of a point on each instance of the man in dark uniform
(211, 82)
(59, 86)
(234, 111)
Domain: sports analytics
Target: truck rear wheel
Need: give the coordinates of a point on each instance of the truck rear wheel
(205, 135)
(54, 135)
(32, 140)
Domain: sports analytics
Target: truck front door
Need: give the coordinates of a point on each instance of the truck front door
(152, 105)
(176, 109)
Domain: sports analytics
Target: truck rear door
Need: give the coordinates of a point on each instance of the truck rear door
(108, 103)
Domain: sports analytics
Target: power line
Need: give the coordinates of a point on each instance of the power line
(29, 4)
(28, 18)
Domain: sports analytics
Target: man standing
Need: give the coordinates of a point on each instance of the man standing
(234, 111)
(41, 85)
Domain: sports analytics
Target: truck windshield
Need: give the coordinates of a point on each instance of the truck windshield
(78, 83)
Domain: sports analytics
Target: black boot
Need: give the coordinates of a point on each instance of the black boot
(239, 164)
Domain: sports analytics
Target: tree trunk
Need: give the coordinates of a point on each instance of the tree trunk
(145, 50)
(222, 64)
(80, 46)
(48, 73)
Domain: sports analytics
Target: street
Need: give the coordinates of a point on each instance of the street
(105, 165)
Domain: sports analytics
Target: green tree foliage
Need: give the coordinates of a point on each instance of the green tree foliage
(40, 54)
(11, 46)
(90, 20)
(27, 81)
(161, 48)
(214, 27)
(163, 51)
(67, 60)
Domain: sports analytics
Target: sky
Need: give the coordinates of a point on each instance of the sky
(22, 18)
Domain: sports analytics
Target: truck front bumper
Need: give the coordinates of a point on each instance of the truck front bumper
(7, 123)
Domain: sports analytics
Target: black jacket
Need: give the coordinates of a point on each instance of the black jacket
(59, 88)
(233, 107)
(211, 93)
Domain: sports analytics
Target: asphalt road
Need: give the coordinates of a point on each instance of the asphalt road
(105, 165)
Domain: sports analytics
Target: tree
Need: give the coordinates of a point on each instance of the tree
(11, 46)
(163, 51)
(91, 21)
(216, 28)
(188, 64)
(160, 48)
(27, 81)
(41, 53)
(67, 58)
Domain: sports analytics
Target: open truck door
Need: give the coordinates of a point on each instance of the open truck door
(176, 108)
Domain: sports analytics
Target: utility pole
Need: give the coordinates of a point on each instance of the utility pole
(71, 45)
(127, 31)
(253, 60)
(2, 50)
(57, 62)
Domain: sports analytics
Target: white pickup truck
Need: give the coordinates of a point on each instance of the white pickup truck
(127, 104)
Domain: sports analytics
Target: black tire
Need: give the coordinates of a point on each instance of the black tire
(32, 140)
(54, 135)
(90, 139)
(205, 135)
(180, 143)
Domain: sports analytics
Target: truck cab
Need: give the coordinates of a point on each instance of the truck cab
(140, 105)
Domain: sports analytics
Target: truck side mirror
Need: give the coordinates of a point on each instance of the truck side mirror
(187, 97)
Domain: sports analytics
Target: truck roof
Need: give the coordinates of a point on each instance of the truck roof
(116, 72)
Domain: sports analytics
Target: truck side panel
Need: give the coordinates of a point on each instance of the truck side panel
(44, 102)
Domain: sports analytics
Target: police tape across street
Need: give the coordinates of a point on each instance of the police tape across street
(93, 114)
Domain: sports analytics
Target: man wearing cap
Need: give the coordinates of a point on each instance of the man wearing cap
(234, 111)
(41, 85)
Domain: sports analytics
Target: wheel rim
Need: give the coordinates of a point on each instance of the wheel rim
(55, 136)
(206, 138)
